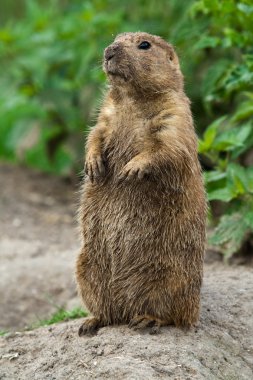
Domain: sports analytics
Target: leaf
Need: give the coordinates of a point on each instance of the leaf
(248, 143)
(237, 178)
(230, 233)
(214, 175)
(247, 9)
(244, 111)
(232, 138)
(206, 42)
(212, 76)
(238, 79)
(226, 143)
(209, 135)
(224, 195)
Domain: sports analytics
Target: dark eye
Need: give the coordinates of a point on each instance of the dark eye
(144, 45)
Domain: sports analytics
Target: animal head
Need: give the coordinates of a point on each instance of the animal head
(142, 62)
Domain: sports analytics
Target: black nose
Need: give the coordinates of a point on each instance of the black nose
(110, 51)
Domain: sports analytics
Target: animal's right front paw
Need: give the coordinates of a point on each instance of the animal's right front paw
(94, 166)
(89, 327)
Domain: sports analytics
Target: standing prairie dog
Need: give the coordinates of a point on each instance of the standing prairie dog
(143, 204)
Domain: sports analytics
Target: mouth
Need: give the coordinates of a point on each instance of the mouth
(109, 67)
(112, 70)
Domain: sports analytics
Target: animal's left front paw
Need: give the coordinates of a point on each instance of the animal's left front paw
(135, 169)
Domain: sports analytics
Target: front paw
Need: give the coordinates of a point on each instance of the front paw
(94, 166)
(134, 169)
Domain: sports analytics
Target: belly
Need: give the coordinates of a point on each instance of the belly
(119, 218)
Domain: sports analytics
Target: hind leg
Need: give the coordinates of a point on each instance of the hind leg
(185, 308)
(94, 291)
(89, 326)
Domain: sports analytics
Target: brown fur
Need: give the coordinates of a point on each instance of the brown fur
(143, 205)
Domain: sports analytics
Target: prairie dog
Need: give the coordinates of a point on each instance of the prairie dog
(143, 205)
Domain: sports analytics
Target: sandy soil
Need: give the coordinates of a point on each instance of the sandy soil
(38, 246)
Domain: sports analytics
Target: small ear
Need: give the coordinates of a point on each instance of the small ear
(173, 58)
(171, 53)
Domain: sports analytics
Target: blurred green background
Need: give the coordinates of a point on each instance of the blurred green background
(51, 85)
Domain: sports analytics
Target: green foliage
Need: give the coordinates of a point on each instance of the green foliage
(3, 332)
(228, 88)
(62, 315)
(51, 60)
(48, 75)
(233, 230)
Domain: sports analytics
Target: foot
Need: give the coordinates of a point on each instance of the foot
(134, 169)
(144, 321)
(90, 326)
(94, 166)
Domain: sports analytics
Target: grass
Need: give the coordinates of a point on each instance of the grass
(61, 315)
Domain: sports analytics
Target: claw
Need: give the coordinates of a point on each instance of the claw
(134, 170)
(89, 327)
(144, 321)
(100, 167)
(94, 167)
(135, 321)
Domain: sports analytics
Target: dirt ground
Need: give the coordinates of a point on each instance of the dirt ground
(38, 246)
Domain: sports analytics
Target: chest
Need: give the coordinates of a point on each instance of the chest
(127, 136)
